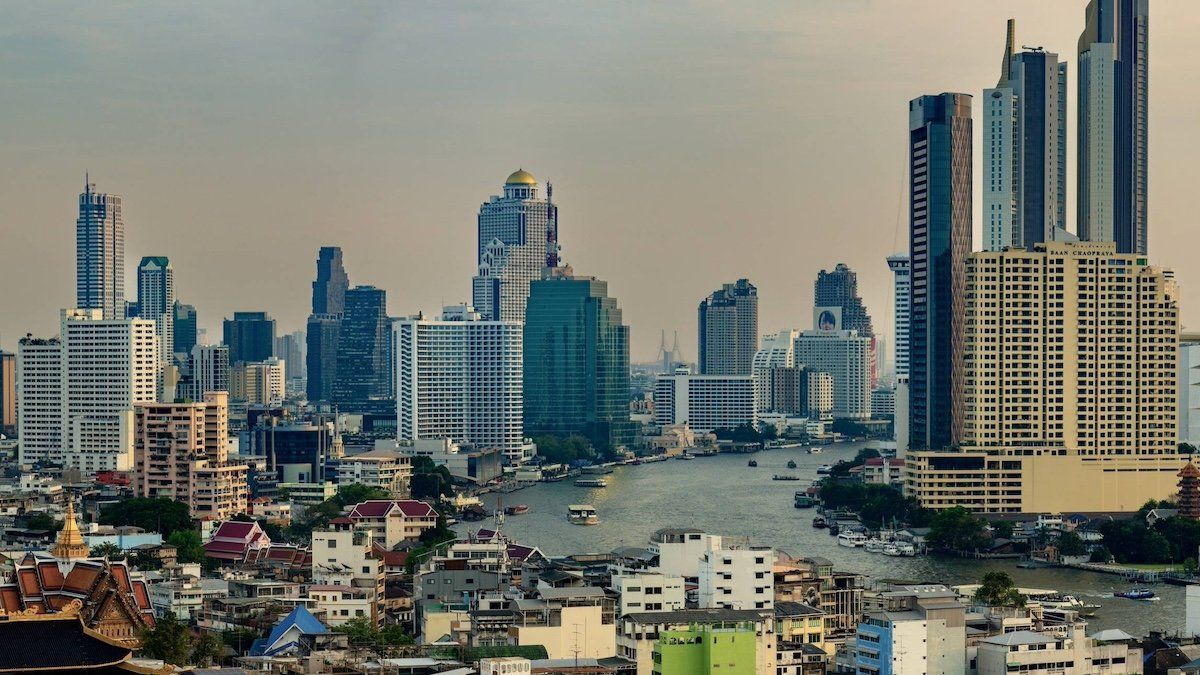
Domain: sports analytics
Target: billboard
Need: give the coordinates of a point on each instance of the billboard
(827, 318)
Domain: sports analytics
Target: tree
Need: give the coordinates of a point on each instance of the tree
(998, 590)
(207, 650)
(188, 547)
(157, 514)
(107, 550)
(167, 640)
(956, 529)
(564, 450)
(1100, 554)
(1071, 544)
(1003, 529)
(145, 561)
(361, 631)
(357, 493)
(1131, 541)
(42, 521)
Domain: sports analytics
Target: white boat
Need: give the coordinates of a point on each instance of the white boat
(852, 539)
(1068, 602)
(907, 550)
(814, 450)
(824, 469)
(891, 549)
(582, 514)
(875, 545)
(592, 482)
(686, 456)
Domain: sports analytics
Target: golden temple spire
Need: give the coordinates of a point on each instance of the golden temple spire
(70, 544)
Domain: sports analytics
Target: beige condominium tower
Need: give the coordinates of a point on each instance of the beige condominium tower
(1069, 388)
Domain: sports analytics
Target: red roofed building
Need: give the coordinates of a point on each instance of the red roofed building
(110, 599)
(394, 520)
(238, 542)
(883, 471)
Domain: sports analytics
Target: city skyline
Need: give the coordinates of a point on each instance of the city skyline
(218, 254)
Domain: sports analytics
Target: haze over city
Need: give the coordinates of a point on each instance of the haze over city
(688, 145)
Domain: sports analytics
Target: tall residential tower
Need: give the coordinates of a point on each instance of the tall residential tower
(727, 323)
(100, 253)
(901, 299)
(518, 238)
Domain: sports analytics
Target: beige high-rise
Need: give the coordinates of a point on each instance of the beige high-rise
(1070, 385)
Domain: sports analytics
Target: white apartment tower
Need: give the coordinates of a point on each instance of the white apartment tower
(518, 238)
(901, 302)
(704, 402)
(846, 357)
(460, 377)
(104, 368)
(776, 351)
(208, 370)
(100, 253)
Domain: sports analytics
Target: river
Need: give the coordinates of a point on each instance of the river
(722, 495)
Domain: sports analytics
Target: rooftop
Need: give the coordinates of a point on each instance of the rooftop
(712, 615)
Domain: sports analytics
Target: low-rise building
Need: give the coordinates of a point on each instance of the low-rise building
(394, 520)
(381, 468)
(737, 576)
(347, 574)
(912, 630)
(185, 597)
(1069, 652)
(674, 642)
(644, 591)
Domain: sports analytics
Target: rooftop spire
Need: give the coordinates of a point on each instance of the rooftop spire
(1008, 52)
(70, 544)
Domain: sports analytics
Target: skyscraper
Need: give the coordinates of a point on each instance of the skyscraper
(576, 362)
(518, 238)
(939, 240)
(839, 288)
(329, 288)
(901, 299)
(185, 328)
(8, 393)
(156, 301)
(1113, 109)
(727, 324)
(324, 324)
(362, 356)
(460, 377)
(290, 348)
(100, 253)
(250, 337)
(1025, 150)
(207, 371)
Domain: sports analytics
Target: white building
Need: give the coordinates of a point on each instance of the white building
(1070, 652)
(775, 351)
(643, 591)
(846, 356)
(104, 368)
(704, 402)
(518, 238)
(679, 550)
(460, 378)
(208, 370)
(901, 268)
(1189, 389)
(347, 576)
(737, 576)
(384, 468)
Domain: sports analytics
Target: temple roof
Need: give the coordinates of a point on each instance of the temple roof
(70, 544)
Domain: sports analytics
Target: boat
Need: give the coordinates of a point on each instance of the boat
(474, 513)
(591, 482)
(803, 500)
(686, 456)
(582, 514)
(892, 550)
(791, 463)
(907, 550)
(874, 545)
(834, 530)
(1068, 602)
(824, 470)
(1138, 594)
(518, 510)
(814, 450)
(596, 470)
(752, 463)
(819, 522)
(782, 476)
(852, 539)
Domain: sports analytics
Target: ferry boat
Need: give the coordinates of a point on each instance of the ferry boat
(596, 470)
(780, 476)
(852, 539)
(518, 510)
(752, 463)
(803, 500)
(824, 470)
(891, 549)
(591, 482)
(874, 545)
(1067, 602)
(1138, 594)
(582, 514)
(791, 464)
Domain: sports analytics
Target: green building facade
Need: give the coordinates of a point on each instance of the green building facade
(576, 362)
(727, 649)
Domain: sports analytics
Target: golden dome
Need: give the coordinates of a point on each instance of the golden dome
(520, 177)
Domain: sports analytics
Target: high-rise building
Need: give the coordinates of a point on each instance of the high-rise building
(777, 351)
(100, 253)
(185, 329)
(576, 361)
(1070, 385)
(363, 346)
(207, 370)
(321, 358)
(727, 324)
(1113, 110)
(846, 357)
(262, 383)
(330, 286)
(1025, 150)
(459, 377)
(839, 288)
(156, 301)
(901, 310)
(290, 348)
(939, 240)
(250, 337)
(180, 454)
(518, 238)
(76, 393)
(8, 393)
(1189, 389)
(704, 402)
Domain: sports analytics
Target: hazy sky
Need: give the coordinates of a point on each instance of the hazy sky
(689, 143)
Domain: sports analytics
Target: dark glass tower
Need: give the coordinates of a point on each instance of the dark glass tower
(939, 140)
(362, 351)
(576, 362)
(185, 328)
(324, 324)
(250, 337)
(329, 288)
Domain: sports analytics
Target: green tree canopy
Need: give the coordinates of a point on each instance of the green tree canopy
(1071, 544)
(157, 514)
(957, 529)
(188, 547)
(1131, 541)
(564, 450)
(998, 590)
(167, 640)
(107, 550)
(1003, 529)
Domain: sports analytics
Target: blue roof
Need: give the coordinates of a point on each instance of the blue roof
(301, 618)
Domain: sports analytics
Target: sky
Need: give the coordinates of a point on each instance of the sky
(689, 143)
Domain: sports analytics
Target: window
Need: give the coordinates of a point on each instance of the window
(332, 543)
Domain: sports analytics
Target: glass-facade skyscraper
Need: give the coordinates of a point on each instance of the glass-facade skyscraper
(324, 324)
(185, 328)
(939, 139)
(100, 253)
(1114, 77)
(156, 300)
(250, 337)
(576, 362)
(363, 348)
